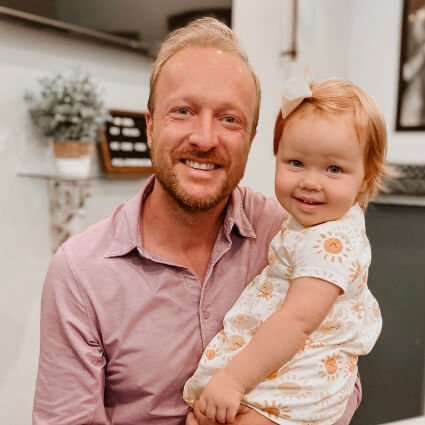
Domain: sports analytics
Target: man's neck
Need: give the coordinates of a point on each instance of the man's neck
(184, 237)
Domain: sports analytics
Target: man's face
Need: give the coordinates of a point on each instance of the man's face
(201, 131)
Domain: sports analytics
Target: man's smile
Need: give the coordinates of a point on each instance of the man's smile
(205, 166)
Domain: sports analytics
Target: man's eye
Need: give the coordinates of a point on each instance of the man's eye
(334, 169)
(183, 111)
(296, 163)
(229, 119)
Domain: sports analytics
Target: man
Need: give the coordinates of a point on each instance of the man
(130, 304)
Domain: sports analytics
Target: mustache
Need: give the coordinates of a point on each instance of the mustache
(212, 156)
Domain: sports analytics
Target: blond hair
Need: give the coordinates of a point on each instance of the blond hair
(201, 33)
(338, 96)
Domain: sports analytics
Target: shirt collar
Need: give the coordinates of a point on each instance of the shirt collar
(127, 235)
(236, 215)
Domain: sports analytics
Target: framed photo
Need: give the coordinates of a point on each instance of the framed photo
(124, 144)
(411, 90)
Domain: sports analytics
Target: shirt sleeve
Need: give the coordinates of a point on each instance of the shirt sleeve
(325, 252)
(70, 380)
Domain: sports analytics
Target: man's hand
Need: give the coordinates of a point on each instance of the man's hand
(221, 398)
(245, 416)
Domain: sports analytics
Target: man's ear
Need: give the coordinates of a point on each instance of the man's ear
(253, 134)
(149, 128)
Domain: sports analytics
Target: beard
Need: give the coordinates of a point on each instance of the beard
(166, 176)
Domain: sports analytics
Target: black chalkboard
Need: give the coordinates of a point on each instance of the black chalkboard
(124, 143)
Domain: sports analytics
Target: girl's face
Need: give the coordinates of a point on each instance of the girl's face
(319, 167)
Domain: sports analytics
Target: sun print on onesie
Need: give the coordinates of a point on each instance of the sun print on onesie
(243, 320)
(335, 329)
(332, 327)
(331, 367)
(351, 365)
(235, 342)
(357, 308)
(332, 247)
(272, 257)
(222, 337)
(288, 272)
(308, 342)
(278, 373)
(210, 353)
(265, 290)
(252, 331)
(354, 270)
(295, 387)
(363, 281)
(272, 410)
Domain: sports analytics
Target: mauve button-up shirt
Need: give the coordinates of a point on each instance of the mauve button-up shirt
(123, 328)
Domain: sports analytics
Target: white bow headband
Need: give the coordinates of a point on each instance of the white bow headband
(294, 92)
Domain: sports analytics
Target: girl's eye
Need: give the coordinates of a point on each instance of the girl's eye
(296, 163)
(334, 169)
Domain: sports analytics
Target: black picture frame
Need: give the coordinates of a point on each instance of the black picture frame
(411, 86)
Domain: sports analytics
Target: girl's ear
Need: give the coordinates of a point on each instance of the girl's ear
(362, 190)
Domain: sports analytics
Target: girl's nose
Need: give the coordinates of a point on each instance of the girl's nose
(310, 182)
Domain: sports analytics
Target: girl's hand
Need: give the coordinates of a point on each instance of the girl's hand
(221, 398)
(245, 416)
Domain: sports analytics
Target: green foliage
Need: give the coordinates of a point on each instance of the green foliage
(68, 107)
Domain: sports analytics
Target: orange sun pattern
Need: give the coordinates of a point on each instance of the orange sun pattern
(266, 290)
(272, 410)
(331, 367)
(331, 247)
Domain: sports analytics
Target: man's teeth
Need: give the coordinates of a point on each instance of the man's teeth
(200, 166)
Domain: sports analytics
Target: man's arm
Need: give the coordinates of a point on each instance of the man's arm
(70, 381)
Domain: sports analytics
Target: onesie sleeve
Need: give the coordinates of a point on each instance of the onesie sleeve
(325, 252)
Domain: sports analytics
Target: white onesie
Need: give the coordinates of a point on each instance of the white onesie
(315, 385)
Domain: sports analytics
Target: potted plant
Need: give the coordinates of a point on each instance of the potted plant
(69, 110)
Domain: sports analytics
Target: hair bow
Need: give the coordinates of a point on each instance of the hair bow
(294, 92)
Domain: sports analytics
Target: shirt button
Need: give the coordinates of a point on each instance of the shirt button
(206, 314)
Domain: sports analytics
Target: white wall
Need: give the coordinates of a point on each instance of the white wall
(358, 40)
(28, 53)
(374, 61)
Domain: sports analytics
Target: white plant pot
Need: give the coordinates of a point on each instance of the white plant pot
(73, 158)
(74, 167)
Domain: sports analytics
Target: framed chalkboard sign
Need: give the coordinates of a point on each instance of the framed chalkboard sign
(124, 144)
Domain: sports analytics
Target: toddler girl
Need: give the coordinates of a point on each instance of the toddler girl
(290, 344)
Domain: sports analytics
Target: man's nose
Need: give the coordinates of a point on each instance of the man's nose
(310, 181)
(204, 134)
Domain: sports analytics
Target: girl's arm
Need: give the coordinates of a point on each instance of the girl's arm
(306, 305)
